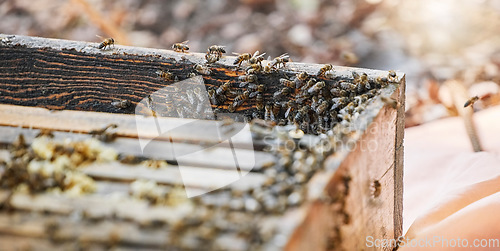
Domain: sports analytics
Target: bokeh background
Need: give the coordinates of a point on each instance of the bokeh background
(431, 41)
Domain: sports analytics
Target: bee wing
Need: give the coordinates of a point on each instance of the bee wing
(253, 94)
(185, 42)
(101, 37)
(261, 55)
(242, 84)
(255, 54)
(236, 53)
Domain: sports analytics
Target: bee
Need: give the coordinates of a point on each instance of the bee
(121, 104)
(242, 97)
(314, 102)
(358, 78)
(471, 101)
(282, 93)
(283, 59)
(250, 78)
(321, 109)
(381, 81)
(316, 87)
(181, 47)
(211, 58)
(347, 86)
(259, 101)
(392, 75)
(287, 82)
(257, 59)
(180, 112)
(338, 103)
(324, 69)
(238, 100)
(104, 134)
(199, 94)
(223, 88)
(216, 49)
(253, 68)
(216, 99)
(302, 76)
(258, 89)
(202, 69)
(300, 79)
(338, 92)
(165, 75)
(241, 58)
(268, 112)
(290, 109)
(310, 83)
(301, 114)
(106, 42)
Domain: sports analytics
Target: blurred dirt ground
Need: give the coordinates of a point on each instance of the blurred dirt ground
(431, 41)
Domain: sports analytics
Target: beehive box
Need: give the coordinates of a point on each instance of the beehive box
(137, 148)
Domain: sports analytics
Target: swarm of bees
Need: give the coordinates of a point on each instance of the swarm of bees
(181, 47)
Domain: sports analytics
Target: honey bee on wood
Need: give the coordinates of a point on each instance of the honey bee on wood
(223, 88)
(216, 99)
(347, 86)
(316, 88)
(259, 102)
(381, 81)
(241, 58)
(281, 60)
(287, 83)
(212, 58)
(324, 69)
(106, 42)
(270, 113)
(257, 59)
(337, 92)
(121, 104)
(291, 106)
(250, 78)
(181, 47)
(338, 103)
(321, 109)
(165, 75)
(471, 101)
(282, 93)
(242, 97)
(253, 68)
(390, 102)
(202, 69)
(392, 75)
(217, 50)
(258, 90)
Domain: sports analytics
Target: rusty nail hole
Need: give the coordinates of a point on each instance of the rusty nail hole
(376, 188)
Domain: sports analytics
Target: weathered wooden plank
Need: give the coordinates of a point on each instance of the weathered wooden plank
(213, 157)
